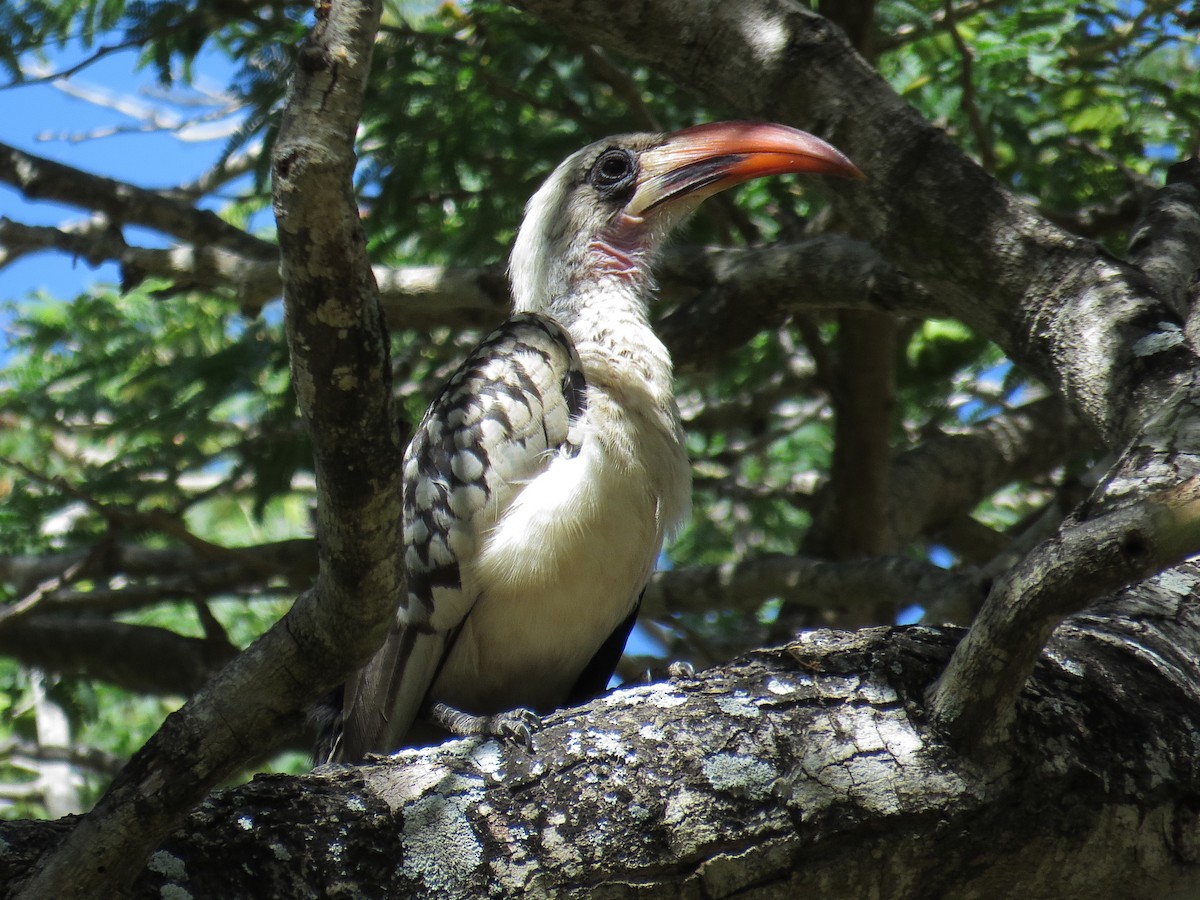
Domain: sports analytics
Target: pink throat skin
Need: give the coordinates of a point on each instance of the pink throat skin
(614, 260)
(620, 252)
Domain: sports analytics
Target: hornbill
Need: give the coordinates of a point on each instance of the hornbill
(541, 482)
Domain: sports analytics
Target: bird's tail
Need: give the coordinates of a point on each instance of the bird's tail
(325, 718)
(382, 699)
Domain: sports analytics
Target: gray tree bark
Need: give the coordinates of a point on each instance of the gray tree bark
(809, 770)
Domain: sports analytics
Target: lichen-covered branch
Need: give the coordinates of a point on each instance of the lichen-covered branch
(773, 776)
(1143, 518)
(338, 340)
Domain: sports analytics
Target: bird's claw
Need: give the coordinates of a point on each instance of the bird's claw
(673, 671)
(514, 725)
(681, 668)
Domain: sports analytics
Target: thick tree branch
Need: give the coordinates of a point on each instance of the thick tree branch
(1165, 243)
(339, 344)
(251, 703)
(805, 582)
(738, 292)
(743, 292)
(93, 240)
(423, 297)
(975, 698)
(135, 657)
(774, 776)
(864, 404)
(949, 475)
(157, 661)
(1089, 325)
(1144, 517)
(20, 751)
(946, 476)
(294, 559)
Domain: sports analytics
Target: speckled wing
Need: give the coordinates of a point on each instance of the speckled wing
(505, 414)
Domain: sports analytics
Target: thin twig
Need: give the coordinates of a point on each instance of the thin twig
(907, 34)
(39, 593)
(969, 103)
(102, 52)
(622, 85)
(84, 757)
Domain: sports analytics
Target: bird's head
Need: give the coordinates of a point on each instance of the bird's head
(606, 210)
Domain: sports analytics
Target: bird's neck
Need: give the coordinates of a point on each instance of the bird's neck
(608, 321)
(631, 409)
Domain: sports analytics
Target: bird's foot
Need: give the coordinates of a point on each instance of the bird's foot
(673, 672)
(515, 725)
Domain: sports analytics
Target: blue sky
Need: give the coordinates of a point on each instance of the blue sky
(46, 121)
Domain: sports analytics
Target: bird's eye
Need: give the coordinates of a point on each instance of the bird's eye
(612, 172)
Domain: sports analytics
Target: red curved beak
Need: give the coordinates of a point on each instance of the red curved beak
(705, 159)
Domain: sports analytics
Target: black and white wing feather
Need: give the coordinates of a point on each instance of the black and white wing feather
(506, 414)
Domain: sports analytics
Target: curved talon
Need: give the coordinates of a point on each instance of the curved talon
(681, 669)
(515, 725)
(673, 671)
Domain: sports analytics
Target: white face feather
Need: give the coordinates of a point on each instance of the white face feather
(535, 269)
(572, 233)
(603, 214)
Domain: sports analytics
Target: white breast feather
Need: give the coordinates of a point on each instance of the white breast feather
(565, 563)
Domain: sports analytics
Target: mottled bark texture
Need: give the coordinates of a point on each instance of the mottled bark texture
(803, 771)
